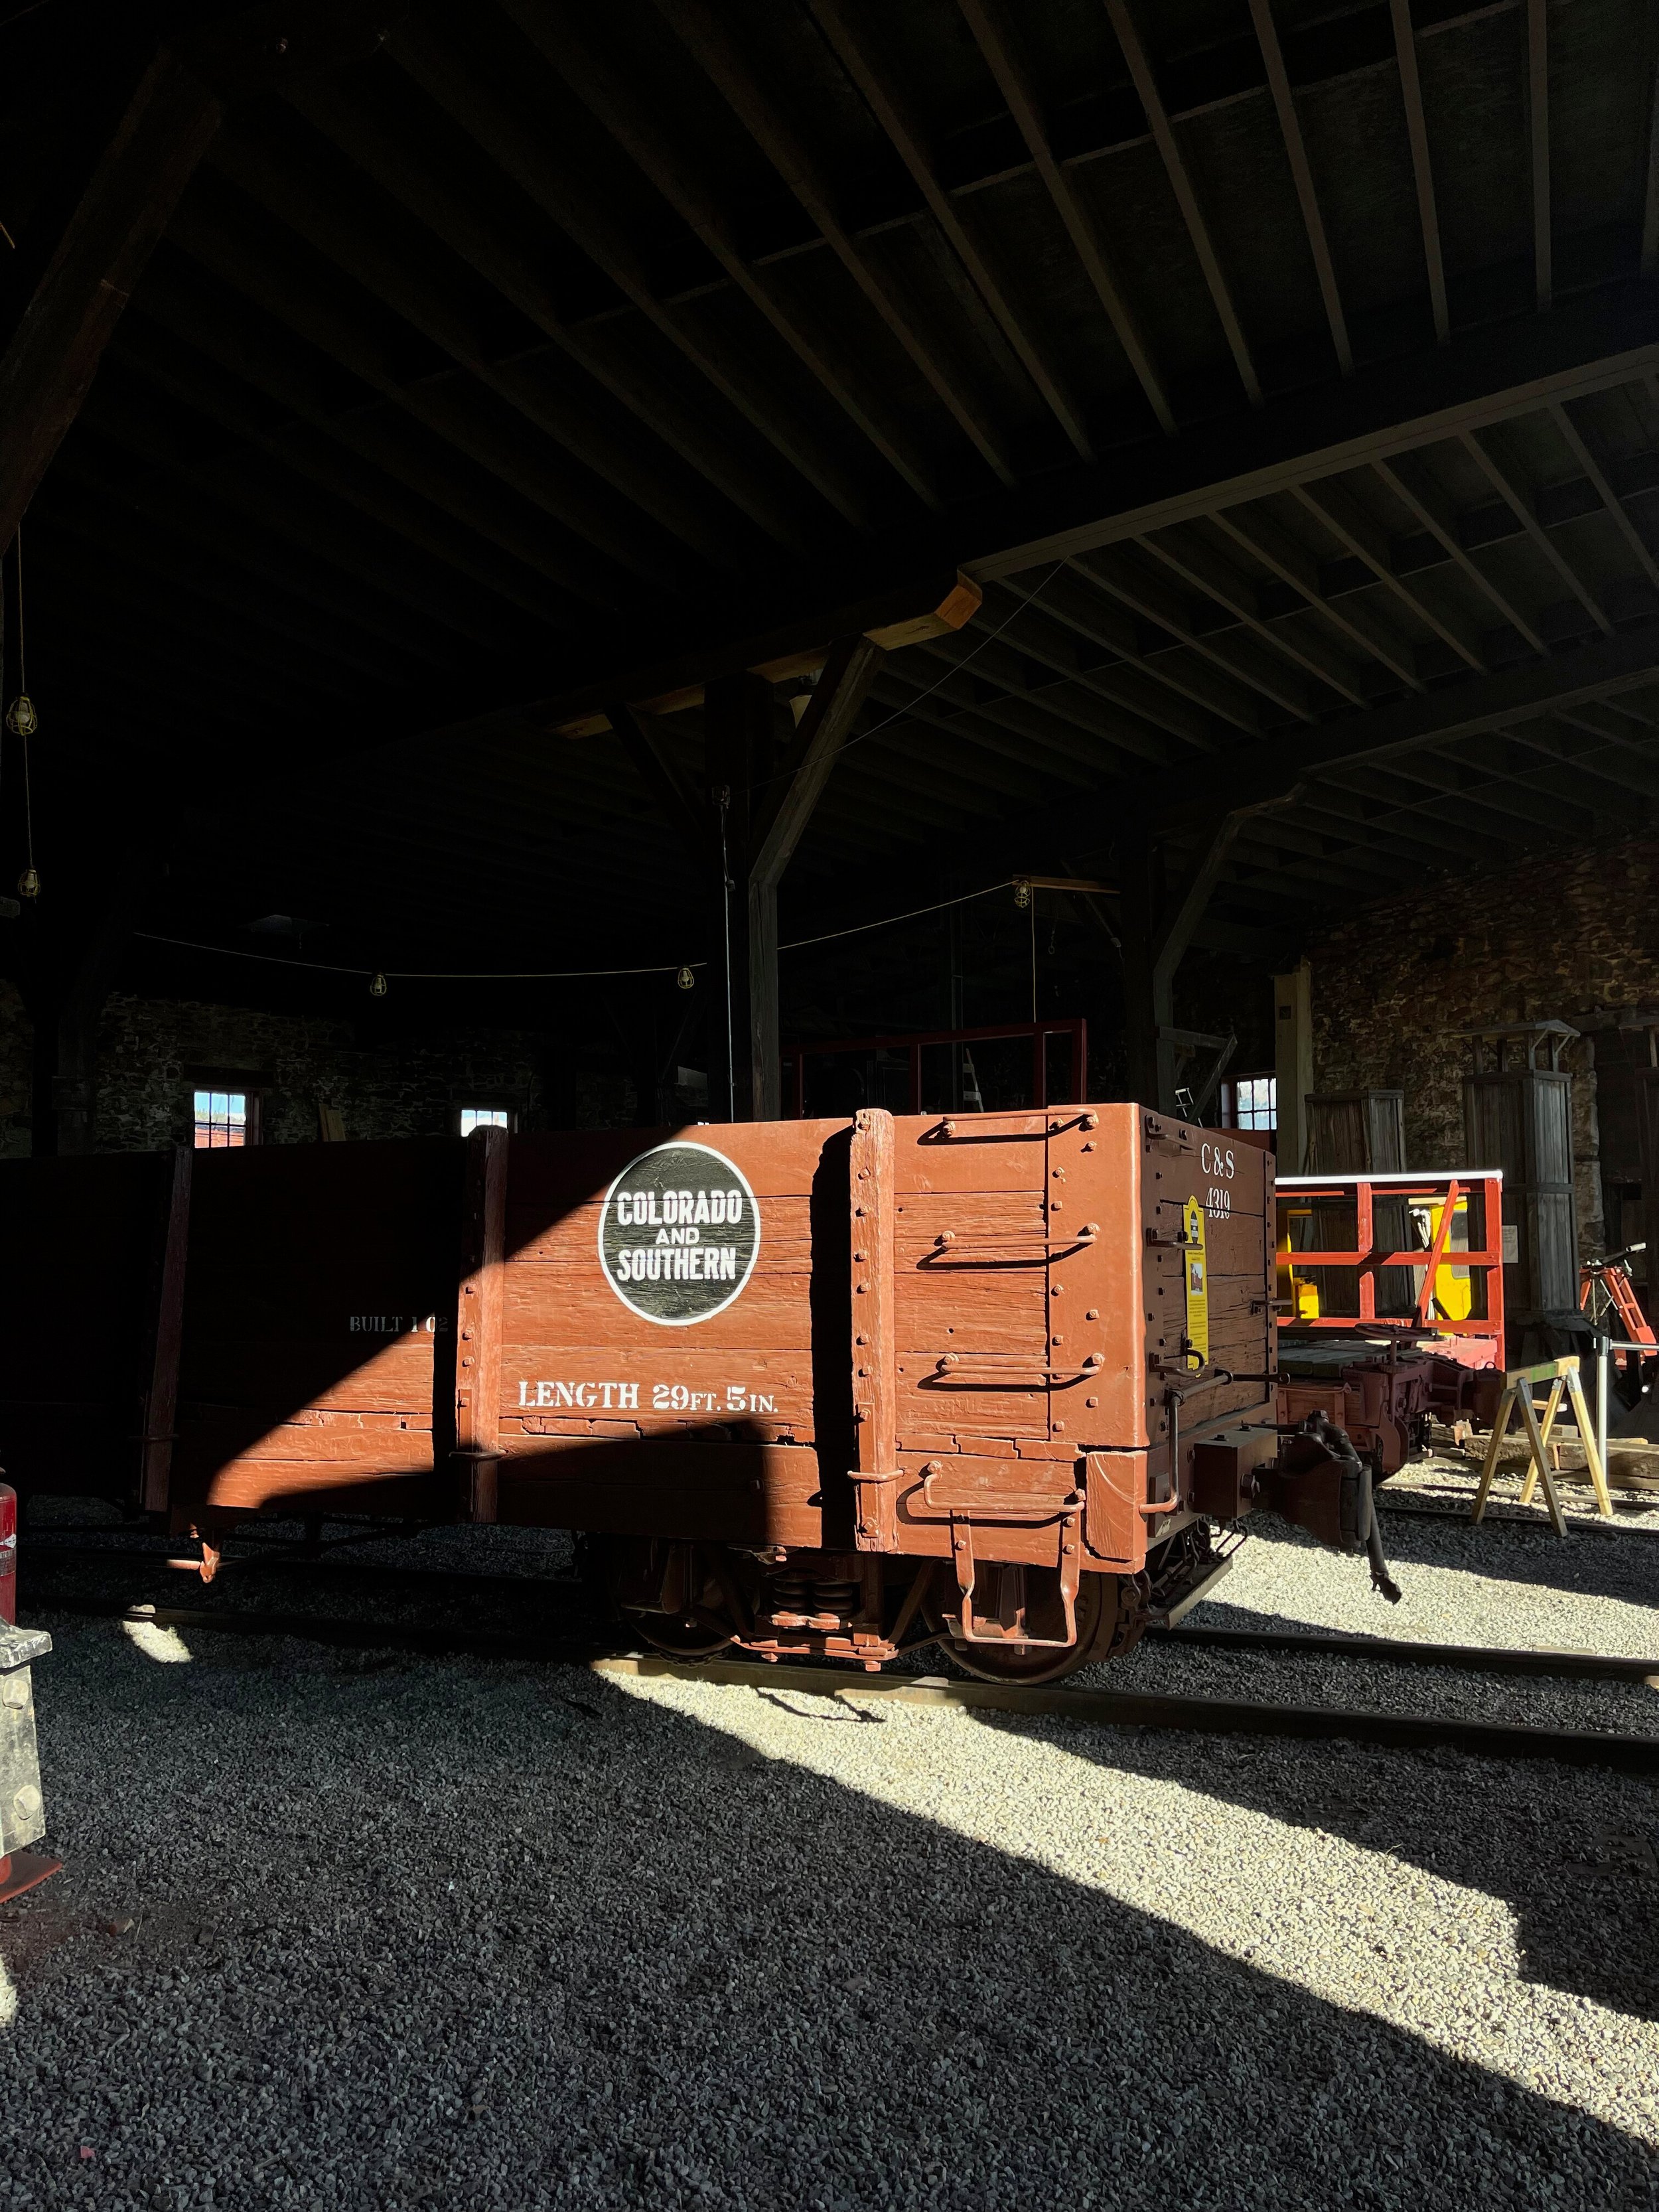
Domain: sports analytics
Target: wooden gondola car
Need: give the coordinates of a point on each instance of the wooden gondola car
(805, 1386)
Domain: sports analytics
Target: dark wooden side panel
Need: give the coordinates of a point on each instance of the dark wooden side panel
(319, 1327)
(81, 1243)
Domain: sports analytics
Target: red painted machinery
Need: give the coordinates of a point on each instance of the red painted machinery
(1390, 1305)
(804, 1387)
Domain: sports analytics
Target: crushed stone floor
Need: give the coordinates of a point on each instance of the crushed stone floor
(357, 1929)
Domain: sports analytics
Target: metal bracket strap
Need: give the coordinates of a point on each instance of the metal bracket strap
(962, 1559)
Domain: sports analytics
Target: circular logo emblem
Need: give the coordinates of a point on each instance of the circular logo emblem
(678, 1234)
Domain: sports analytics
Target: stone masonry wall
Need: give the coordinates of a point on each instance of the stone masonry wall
(1552, 936)
(402, 1085)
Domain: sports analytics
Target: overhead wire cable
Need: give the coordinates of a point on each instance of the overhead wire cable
(548, 975)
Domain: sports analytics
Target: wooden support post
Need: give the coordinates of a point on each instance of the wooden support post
(780, 815)
(1156, 934)
(1292, 1064)
(479, 1321)
(737, 743)
(161, 1400)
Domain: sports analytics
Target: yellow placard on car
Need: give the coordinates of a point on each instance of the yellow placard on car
(1196, 1266)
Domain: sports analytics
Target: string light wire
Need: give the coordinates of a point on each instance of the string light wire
(555, 975)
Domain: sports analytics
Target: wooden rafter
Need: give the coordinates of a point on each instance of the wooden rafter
(1417, 130)
(1484, 704)
(707, 38)
(1421, 499)
(1514, 497)
(1190, 557)
(1604, 491)
(558, 35)
(1538, 121)
(856, 55)
(51, 361)
(1181, 181)
(1265, 540)
(417, 184)
(1012, 82)
(1331, 502)
(449, 78)
(1313, 222)
(348, 238)
(540, 471)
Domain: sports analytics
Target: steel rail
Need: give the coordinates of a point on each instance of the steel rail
(1631, 1754)
(1506, 1740)
(1400, 1652)
(1458, 1515)
(459, 1580)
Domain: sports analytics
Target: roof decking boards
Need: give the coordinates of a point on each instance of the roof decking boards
(1271, 368)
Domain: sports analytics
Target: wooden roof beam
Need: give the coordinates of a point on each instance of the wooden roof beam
(1313, 222)
(1538, 131)
(168, 125)
(707, 38)
(1194, 716)
(55, 352)
(1423, 500)
(1017, 90)
(1189, 556)
(1283, 556)
(415, 184)
(557, 34)
(1417, 130)
(448, 406)
(365, 476)
(1164, 137)
(1514, 497)
(447, 77)
(897, 619)
(1330, 502)
(1483, 703)
(1185, 665)
(904, 134)
(1604, 491)
(290, 192)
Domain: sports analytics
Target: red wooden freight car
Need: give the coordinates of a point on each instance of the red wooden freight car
(805, 1386)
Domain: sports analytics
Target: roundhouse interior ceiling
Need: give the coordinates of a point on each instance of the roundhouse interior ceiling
(1284, 372)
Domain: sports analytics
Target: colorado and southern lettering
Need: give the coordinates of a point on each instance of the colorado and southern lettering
(679, 1232)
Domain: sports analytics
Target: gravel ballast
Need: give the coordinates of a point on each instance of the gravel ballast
(341, 1929)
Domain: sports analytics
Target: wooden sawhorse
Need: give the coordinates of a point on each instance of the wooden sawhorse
(1564, 1379)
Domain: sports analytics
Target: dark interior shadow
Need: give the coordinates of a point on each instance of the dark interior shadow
(680, 1973)
(1569, 1849)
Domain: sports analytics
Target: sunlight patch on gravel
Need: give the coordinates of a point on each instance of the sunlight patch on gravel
(1355, 1927)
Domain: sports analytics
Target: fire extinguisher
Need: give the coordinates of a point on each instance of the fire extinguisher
(8, 1554)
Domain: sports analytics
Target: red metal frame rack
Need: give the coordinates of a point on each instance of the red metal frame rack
(1366, 1259)
(1039, 1033)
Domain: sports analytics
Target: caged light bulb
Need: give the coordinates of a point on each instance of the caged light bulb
(377, 985)
(686, 979)
(1022, 893)
(28, 883)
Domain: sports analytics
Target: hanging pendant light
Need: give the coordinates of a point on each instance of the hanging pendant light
(377, 985)
(686, 979)
(23, 722)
